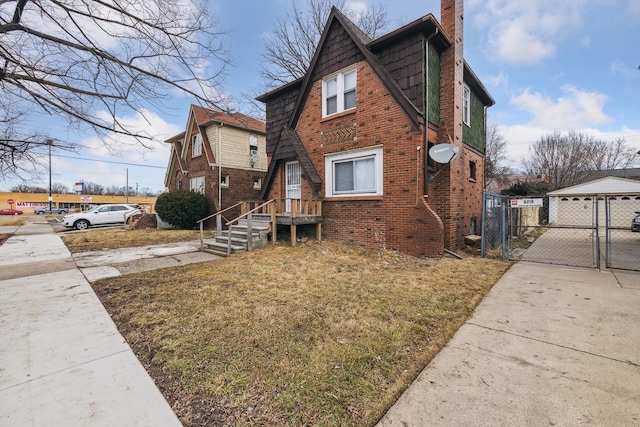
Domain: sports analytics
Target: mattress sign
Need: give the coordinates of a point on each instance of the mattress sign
(525, 203)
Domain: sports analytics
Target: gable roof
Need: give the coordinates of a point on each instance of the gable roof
(361, 41)
(206, 116)
(290, 137)
(608, 185)
(175, 157)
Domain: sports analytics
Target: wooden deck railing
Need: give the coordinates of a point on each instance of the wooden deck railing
(273, 208)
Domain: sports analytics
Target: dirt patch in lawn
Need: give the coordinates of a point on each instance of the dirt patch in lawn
(325, 333)
(114, 238)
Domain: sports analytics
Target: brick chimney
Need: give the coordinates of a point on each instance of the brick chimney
(449, 188)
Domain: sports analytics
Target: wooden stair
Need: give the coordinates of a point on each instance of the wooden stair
(235, 239)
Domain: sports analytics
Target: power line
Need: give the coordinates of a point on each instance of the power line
(110, 161)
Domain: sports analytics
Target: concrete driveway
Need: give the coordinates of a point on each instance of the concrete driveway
(548, 346)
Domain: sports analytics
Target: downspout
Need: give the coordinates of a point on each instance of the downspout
(484, 163)
(219, 158)
(425, 109)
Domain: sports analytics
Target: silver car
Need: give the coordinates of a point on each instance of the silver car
(101, 215)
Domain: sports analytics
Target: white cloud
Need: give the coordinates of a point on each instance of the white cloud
(574, 110)
(520, 137)
(123, 154)
(526, 32)
(144, 122)
(619, 67)
(498, 80)
(357, 9)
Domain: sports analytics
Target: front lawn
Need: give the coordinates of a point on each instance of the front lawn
(325, 333)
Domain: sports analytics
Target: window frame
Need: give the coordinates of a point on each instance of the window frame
(352, 156)
(340, 90)
(199, 187)
(224, 181)
(196, 143)
(473, 170)
(466, 105)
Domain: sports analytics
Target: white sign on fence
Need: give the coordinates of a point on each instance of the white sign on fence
(525, 203)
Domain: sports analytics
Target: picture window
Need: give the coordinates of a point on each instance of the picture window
(354, 173)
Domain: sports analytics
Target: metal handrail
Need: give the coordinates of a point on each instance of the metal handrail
(250, 212)
(219, 213)
(218, 224)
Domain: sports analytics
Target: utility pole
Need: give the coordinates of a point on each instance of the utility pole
(49, 143)
(127, 189)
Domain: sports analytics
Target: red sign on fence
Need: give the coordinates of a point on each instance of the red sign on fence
(10, 201)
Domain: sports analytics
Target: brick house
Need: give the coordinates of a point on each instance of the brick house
(221, 155)
(355, 132)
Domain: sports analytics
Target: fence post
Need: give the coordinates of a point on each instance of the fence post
(249, 232)
(274, 225)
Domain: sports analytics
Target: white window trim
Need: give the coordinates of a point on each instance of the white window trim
(466, 105)
(196, 145)
(330, 159)
(196, 184)
(339, 91)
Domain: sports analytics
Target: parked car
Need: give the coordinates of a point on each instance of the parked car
(54, 210)
(635, 222)
(10, 212)
(101, 215)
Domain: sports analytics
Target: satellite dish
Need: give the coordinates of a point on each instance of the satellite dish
(444, 153)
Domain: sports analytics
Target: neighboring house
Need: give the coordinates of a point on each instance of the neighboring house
(222, 155)
(354, 132)
(577, 205)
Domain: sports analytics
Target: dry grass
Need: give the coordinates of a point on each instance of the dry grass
(324, 334)
(113, 238)
(10, 221)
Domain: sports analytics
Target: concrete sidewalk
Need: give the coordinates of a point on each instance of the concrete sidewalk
(62, 360)
(549, 345)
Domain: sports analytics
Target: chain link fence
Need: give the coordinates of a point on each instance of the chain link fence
(592, 230)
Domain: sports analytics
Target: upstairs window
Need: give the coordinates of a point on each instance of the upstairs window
(339, 92)
(466, 105)
(196, 145)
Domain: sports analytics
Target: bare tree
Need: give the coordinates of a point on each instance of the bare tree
(289, 49)
(569, 159)
(59, 188)
(93, 61)
(93, 188)
(495, 153)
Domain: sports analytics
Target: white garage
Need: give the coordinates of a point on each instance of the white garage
(578, 205)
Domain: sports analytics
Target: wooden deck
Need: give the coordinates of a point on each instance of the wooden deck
(291, 212)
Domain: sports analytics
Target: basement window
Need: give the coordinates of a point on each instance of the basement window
(257, 183)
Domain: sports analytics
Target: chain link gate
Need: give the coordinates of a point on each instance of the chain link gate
(582, 230)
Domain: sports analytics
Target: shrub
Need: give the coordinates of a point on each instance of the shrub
(182, 209)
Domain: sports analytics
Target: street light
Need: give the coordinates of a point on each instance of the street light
(50, 143)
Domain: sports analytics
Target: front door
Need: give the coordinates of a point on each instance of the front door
(293, 181)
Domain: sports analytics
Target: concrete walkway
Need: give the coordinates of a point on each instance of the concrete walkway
(62, 360)
(548, 346)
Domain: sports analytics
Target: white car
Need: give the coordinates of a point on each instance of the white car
(101, 215)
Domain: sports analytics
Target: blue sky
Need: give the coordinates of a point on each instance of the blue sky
(550, 65)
